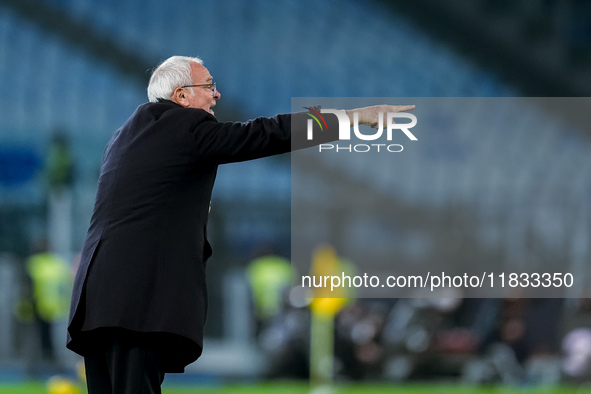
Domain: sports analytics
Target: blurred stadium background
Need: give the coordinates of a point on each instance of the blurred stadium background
(72, 71)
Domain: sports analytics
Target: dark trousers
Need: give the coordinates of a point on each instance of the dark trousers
(123, 365)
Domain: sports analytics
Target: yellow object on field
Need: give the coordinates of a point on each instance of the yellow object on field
(327, 306)
(326, 263)
(61, 385)
(328, 301)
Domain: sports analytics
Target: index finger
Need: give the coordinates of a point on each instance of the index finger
(400, 108)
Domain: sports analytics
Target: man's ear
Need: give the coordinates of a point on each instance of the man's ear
(179, 96)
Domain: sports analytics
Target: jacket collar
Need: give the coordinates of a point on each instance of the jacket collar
(165, 101)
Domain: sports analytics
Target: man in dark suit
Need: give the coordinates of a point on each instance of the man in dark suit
(140, 296)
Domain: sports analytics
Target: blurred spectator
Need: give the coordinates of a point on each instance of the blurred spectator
(469, 328)
(437, 335)
(59, 178)
(285, 339)
(282, 329)
(577, 354)
(59, 165)
(269, 276)
(528, 341)
(531, 326)
(576, 343)
(358, 343)
(49, 297)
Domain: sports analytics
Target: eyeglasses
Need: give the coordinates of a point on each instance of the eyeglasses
(209, 86)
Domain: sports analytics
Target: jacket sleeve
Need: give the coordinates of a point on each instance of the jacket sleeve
(222, 143)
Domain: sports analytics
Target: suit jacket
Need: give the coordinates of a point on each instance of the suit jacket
(143, 264)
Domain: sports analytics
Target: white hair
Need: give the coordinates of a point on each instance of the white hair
(172, 73)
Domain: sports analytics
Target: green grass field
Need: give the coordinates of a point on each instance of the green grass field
(301, 388)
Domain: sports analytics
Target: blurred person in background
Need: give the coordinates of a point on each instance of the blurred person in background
(59, 178)
(59, 163)
(576, 341)
(47, 301)
(269, 277)
(530, 329)
(359, 348)
(140, 296)
(442, 335)
(281, 330)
